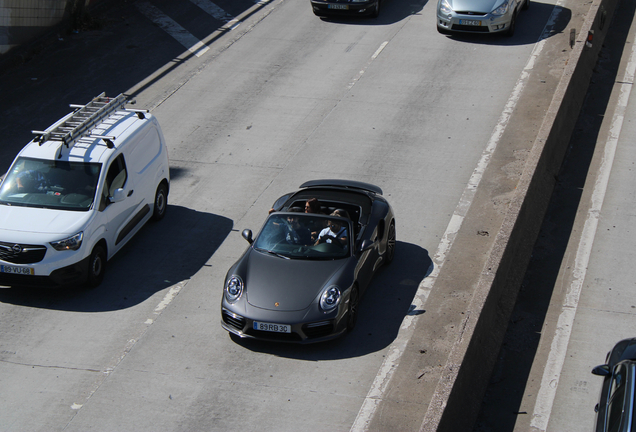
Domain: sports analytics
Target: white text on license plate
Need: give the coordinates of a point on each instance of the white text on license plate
(271, 327)
(470, 22)
(338, 6)
(16, 270)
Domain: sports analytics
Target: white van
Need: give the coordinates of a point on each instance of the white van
(78, 192)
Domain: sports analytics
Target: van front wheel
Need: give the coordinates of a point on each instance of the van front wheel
(96, 266)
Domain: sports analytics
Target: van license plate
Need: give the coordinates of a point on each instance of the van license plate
(16, 270)
(470, 22)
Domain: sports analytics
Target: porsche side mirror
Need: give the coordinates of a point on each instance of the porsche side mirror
(366, 245)
(602, 370)
(247, 235)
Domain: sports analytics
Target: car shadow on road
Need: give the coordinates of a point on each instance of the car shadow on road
(382, 309)
(530, 27)
(161, 255)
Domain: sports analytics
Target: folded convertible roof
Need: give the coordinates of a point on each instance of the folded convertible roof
(350, 184)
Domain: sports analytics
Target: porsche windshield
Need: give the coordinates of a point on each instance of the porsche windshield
(305, 236)
(50, 184)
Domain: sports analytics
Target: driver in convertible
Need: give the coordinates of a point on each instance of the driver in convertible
(297, 234)
(335, 232)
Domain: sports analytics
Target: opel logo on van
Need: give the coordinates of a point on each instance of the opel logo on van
(16, 248)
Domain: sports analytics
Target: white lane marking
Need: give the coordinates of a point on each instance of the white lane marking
(167, 299)
(558, 349)
(137, 335)
(213, 10)
(167, 24)
(395, 351)
(373, 57)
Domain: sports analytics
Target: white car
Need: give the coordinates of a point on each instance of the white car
(78, 192)
(479, 16)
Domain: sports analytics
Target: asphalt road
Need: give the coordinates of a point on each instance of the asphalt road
(271, 100)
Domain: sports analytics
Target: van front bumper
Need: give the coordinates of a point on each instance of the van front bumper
(74, 274)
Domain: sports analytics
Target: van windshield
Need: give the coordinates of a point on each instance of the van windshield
(50, 184)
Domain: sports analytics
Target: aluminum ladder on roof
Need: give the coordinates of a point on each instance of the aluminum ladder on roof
(83, 120)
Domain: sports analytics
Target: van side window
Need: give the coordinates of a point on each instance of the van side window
(115, 179)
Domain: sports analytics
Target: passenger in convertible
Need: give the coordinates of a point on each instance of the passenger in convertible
(334, 233)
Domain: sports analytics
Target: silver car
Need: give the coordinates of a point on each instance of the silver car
(479, 16)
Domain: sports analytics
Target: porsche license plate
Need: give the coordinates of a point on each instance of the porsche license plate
(16, 270)
(338, 6)
(470, 22)
(271, 327)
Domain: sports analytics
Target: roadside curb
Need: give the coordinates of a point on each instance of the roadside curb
(472, 357)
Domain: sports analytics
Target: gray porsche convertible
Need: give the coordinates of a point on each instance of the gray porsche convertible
(302, 277)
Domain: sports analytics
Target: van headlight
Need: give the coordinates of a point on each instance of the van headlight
(330, 298)
(233, 289)
(70, 243)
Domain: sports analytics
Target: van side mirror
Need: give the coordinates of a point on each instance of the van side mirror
(247, 235)
(118, 195)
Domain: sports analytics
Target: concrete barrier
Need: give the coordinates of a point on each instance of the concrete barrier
(456, 401)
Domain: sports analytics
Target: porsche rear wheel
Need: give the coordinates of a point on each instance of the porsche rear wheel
(352, 314)
(390, 244)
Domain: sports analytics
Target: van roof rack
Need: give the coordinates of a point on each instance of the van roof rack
(84, 119)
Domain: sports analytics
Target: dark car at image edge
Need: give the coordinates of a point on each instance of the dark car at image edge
(615, 410)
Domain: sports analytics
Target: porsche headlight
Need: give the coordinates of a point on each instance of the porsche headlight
(330, 298)
(233, 289)
(501, 10)
(70, 243)
(444, 7)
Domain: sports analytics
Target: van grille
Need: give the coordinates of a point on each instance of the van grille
(16, 253)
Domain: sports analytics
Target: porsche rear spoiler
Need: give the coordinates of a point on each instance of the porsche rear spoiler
(350, 184)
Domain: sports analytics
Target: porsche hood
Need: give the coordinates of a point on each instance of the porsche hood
(280, 284)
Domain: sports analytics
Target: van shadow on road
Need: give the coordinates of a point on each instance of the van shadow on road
(382, 309)
(161, 255)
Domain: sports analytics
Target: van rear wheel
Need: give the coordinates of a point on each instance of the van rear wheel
(161, 202)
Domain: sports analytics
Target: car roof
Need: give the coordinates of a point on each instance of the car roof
(624, 349)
